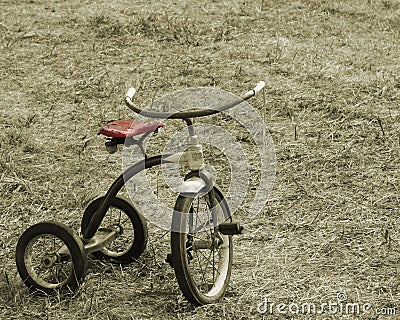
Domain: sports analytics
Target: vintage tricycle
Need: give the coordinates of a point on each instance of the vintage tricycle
(50, 256)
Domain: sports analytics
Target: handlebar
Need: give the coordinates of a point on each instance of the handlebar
(251, 93)
(193, 113)
(131, 92)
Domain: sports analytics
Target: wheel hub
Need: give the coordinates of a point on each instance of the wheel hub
(119, 229)
(49, 260)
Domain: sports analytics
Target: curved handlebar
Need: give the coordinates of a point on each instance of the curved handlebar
(131, 92)
(254, 91)
(193, 113)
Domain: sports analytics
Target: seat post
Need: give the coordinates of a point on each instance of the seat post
(140, 142)
(189, 124)
(141, 147)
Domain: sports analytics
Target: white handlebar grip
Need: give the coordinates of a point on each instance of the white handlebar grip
(131, 92)
(258, 87)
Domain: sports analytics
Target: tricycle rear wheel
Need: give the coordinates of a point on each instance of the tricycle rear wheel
(50, 257)
(132, 238)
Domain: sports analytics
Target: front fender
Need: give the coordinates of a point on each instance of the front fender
(193, 185)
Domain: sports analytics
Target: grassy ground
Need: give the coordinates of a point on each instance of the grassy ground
(332, 72)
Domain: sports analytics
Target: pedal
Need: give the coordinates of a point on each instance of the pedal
(230, 229)
(169, 260)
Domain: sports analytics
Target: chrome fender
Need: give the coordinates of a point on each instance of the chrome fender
(193, 185)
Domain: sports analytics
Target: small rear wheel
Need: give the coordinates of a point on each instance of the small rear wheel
(132, 238)
(201, 255)
(50, 256)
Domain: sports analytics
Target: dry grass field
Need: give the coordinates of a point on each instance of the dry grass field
(332, 225)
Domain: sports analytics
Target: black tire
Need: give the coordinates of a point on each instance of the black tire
(132, 240)
(50, 257)
(201, 283)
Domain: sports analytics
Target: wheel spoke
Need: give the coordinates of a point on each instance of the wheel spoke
(209, 259)
(202, 270)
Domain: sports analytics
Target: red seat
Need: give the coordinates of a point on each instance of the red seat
(128, 128)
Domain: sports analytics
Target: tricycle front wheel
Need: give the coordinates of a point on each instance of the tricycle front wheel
(201, 255)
